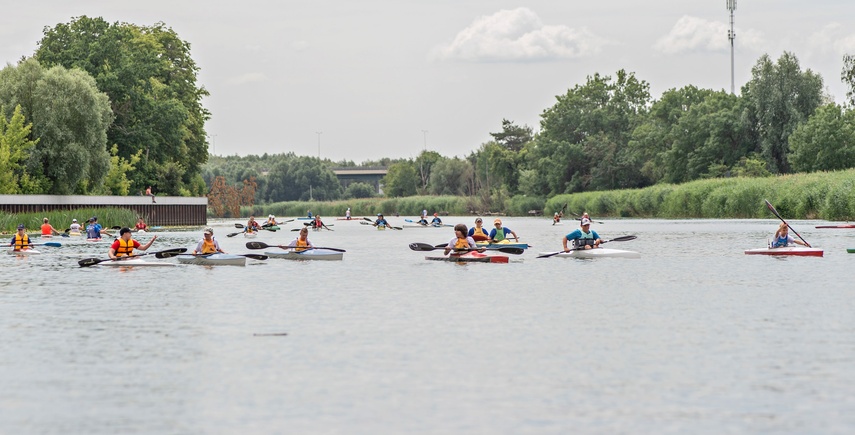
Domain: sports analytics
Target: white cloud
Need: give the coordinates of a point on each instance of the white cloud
(299, 45)
(693, 34)
(243, 79)
(518, 35)
(832, 39)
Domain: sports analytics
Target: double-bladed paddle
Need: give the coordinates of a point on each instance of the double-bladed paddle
(86, 262)
(427, 247)
(616, 239)
(172, 254)
(54, 244)
(262, 245)
(263, 227)
(772, 209)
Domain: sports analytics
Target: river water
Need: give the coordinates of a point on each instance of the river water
(694, 337)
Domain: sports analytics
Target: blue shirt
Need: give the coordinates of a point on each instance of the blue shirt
(577, 234)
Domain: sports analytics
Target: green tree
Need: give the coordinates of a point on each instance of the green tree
(512, 136)
(423, 164)
(452, 177)
(780, 96)
(302, 178)
(826, 142)
(401, 179)
(70, 119)
(359, 190)
(15, 144)
(848, 77)
(150, 78)
(116, 182)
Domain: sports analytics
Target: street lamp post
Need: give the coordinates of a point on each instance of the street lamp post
(424, 133)
(319, 143)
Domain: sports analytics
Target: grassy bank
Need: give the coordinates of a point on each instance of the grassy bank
(819, 195)
(61, 219)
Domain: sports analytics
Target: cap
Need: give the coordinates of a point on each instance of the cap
(478, 220)
(379, 214)
(586, 221)
(269, 216)
(92, 219)
(74, 220)
(209, 230)
(21, 226)
(497, 221)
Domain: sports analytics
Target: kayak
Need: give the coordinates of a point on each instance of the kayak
(213, 260)
(420, 226)
(24, 252)
(134, 262)
(597, 253)
(837, 226)
(310, 254)
(472, 257)
(74, 233)
(251, 235)
(801, 251)
(140, 231)
(345, 219)
(381, 227)
(270, 227)
(305, 219)
(850, 250)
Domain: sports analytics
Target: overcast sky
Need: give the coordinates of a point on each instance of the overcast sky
(374, 75)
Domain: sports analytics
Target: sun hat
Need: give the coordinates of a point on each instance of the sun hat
(497, 221)
(586, 221)
(74, 220)
(209, 230)
(21, 226)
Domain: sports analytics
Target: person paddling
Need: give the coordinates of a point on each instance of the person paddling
(47, 229)
(783, 238)
(301, 243)
(500, 233)
(381, 221)
(21, 241)
(74, 227)
(479, 233)
(94, 229)
(208, 244)
(436, 221)
(583, 237)
(251, 225)
(461, 242)
(141, 225)
(124, 246)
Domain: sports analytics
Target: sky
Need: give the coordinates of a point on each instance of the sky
(363, 80)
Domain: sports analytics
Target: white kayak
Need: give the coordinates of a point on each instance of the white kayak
(24, 252)
(213, 259)
(799, 251)
(597, 253)
(134, 262)
(251, 235)
(311, 254)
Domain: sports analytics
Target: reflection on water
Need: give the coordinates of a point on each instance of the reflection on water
(694, 337)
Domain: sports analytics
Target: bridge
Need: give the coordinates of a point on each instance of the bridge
(368, 175)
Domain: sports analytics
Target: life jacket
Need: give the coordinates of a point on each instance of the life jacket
(209, 247)
(126, 248)
(142, 226)
(482, 231)
(781, 242)
(318, 223)
(92, 232)
(500, 234)
(461, 244)
(302, 245)
(21, 242)
(587, 239)
(46, 230)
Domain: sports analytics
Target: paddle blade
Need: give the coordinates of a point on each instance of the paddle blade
(623, 239)
(549, 255)
(257, 245)
(422, 247)
(512, 250)
(165, 254)
(256, 256)
(54, 244)
(232, 234)
(86, 262)
(238, 225)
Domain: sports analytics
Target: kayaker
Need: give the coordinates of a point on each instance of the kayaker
(301, 243)
(74, 227)
(461, 243)
(783, 238)
(47, 229)
(124, 246)
(347, 214)
(208, 244)
(21, 241)
(556, 218)
(271, 220)
(436, 221)
(479, 233)
(422, 221)
(583, 238)
(94, 229)
(381, 221)
(140, 225)
(318, 223)
(308, 213)
(501, 233)
(251, 225)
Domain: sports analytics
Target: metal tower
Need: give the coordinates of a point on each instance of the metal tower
(731, 35)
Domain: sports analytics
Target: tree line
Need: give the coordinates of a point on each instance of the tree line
(103, 108)
(608, 133)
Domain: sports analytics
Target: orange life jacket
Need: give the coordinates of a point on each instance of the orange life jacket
(21, 242)
(126, 248)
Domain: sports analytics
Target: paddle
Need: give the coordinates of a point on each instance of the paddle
(426, 247)
(262, 245)
(263, 227)
(770, 207)
(171, 254)
(54, 244)
(93, 261)
(560, 213)
(616, 239)
(578, 218)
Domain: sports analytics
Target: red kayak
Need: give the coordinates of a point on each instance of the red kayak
(836, 226)
(799, 251)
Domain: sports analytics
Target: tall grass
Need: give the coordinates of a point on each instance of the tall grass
(61, 219)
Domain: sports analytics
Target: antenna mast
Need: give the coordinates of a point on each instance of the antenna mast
(731, 35)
